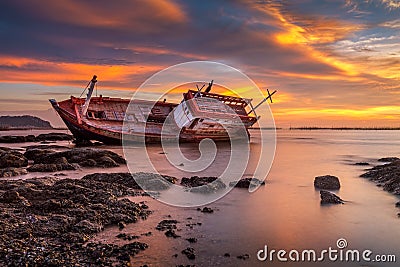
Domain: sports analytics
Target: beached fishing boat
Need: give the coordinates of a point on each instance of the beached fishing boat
(200, 115)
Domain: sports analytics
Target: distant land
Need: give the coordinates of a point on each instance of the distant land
(23, 122)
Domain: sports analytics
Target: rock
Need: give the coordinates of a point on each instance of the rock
(32, 138)
(361, 163)
(388, 159)
(36, 154)
(203, 185)
(153, 182)
(52, 167)
(243, 257)
(192, 240)
(227, 255)
(330, 198)
(171, 233)
(207, 210)
(246, 183)
(49, 222)
(13, 139)
(121, 225)
(149, 181)
(88, 163)
(101, 157)
(387, 176)
(9, 172)
(328, 182)
(124, 236)
(87, 226)
(189, 252)
(106, 162)
(166, 225)
(44, 147)
(147, 234)
(54, 137)
(195, 181)
(12, 158)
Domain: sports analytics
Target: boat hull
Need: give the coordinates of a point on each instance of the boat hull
(84, 131)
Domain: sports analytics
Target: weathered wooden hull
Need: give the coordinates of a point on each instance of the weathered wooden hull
(83, 130)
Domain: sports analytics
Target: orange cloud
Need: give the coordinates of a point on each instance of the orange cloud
(318, 32)
(111, 15)
(60, 73)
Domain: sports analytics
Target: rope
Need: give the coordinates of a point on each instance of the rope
(85, 89)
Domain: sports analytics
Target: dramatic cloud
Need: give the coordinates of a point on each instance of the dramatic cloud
(330, 60)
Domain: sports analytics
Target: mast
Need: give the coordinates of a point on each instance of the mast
(89, 95)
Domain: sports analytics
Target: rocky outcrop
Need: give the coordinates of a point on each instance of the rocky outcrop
(47, 160)
(52, 167)
(139, 180)
(79, 155)
(48, 222)
(39, 138)
(54, 137)
(330, 198)
(388, 159)
(327, 182)
(387, 176)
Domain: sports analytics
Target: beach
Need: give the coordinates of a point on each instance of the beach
(284, 214)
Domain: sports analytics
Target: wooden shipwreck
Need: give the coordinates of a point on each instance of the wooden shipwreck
(200, 115)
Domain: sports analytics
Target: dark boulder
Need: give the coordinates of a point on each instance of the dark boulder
(190, 253)
(171, 233)
(330, 198)
(203, 185)
(246, 183)
(328, 182)
(361, 163)
(206, 210)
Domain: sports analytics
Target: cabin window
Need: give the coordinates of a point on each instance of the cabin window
(96, 114)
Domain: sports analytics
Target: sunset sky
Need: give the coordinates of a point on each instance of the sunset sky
(334, 63)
